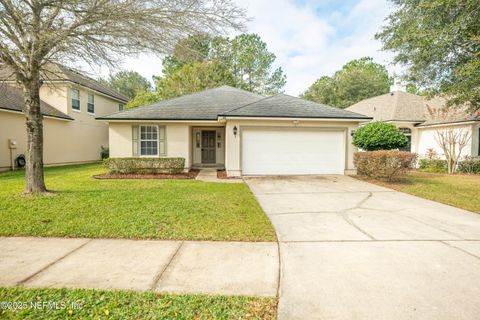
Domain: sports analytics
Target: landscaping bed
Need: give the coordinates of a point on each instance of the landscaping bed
(458, 190)
(99, 304)
(168, 209)
(192, 174)
(222, 174)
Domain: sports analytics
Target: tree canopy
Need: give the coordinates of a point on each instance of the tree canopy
(357, 80)
(200, 62)
(36, 33)
(438, 41)
(129, 83)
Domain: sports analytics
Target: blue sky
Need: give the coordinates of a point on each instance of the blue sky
(310, 38)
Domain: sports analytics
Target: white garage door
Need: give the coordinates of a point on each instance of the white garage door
(292, 151)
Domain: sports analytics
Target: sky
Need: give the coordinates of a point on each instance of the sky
(309, 38)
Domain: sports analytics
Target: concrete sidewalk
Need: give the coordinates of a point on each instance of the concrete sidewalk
(237, 268)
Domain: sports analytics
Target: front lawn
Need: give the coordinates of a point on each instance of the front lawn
(462, 191)
(148, 209)
(18, 303)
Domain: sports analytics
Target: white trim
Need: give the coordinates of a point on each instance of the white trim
(299, 119)
(448, 124)
(160, 121)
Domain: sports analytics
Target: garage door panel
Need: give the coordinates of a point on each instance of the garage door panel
(298, 151)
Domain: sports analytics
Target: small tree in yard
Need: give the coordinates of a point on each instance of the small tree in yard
(379, 136)
(452, 141)
(36, 33)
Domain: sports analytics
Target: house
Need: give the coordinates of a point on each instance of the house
(420, 118)
(246, 133)
(69, 103)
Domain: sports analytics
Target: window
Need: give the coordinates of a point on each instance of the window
(75, 99)
(408, 133)
(148, 141)
(121, 106)
(91, 103)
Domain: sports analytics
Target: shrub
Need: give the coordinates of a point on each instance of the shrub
(384, 164)
(470, 165)
(379, 136)
(104, 153)
(432, 165)
(145, 165)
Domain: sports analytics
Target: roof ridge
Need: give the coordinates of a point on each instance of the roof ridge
(245, 105)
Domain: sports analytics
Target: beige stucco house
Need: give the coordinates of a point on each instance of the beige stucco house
(70, 103)
(246, 133)
(420, 118)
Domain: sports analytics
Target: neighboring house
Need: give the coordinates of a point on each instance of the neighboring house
(412, 114)
(70, 103)
(246, 133)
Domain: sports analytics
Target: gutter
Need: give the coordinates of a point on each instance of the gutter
(44, 115)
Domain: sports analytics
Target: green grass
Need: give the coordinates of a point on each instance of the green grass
(461, 191)
(96, 304)
(82, 206)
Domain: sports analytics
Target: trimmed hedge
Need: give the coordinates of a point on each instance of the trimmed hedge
(470, 165)
(379, 135)
(145, 165)
(432, 165)
(384, 164)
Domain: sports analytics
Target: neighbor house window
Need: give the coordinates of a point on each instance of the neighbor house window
(121, 106)
(408, 133)
(75, 99)
(91, 103)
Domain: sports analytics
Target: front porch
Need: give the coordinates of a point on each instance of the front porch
(208, 147)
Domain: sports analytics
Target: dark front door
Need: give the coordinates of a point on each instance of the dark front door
(208, 147)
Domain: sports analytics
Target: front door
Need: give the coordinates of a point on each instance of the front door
(208, 147)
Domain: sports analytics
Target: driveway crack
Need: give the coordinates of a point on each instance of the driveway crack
(344, 214)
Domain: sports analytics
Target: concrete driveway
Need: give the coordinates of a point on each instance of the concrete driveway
(353, 250)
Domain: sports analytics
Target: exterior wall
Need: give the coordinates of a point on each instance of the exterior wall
(65, 142)
(179, 137)
(233, 143)
(426, 140)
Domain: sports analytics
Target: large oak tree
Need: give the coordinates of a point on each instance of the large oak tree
(36, 33)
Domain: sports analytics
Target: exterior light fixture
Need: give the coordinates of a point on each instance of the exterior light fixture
(235, 131)
(352, 133)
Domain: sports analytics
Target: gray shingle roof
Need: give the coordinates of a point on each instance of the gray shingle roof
(232, 102)
(285, 106)
(58, 73)
(11, 98)
(203, 105)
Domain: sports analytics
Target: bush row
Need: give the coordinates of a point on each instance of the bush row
(384, 164)
(145, 165)
(470, 165)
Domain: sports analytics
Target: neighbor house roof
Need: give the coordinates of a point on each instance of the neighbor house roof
(11, 99)
(394, 106)
(231, 102)
(285, 106)
(406, 107)
(59, 73)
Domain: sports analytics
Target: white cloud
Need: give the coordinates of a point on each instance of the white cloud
(310, 39)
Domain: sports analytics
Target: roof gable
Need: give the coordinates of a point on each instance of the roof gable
(11, 98)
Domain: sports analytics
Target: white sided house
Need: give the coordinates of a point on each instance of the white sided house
(69, 104)
(412, 114)
(246, 133)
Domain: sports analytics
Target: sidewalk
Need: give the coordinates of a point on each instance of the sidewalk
(236, 268)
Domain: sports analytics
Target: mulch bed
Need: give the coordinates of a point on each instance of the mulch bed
(222, 174)
(192, 174)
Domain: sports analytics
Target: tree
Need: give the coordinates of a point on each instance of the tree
(438, 41)
(357, 80)
(379, 135)
(452, 141)
(245, 58)
(35, 33)
(128, 83)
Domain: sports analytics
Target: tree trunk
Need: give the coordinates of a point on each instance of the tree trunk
(34, 158)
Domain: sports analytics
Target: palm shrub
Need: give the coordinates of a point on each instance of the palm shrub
(379, 136)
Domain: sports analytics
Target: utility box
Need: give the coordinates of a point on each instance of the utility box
(12, 144)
